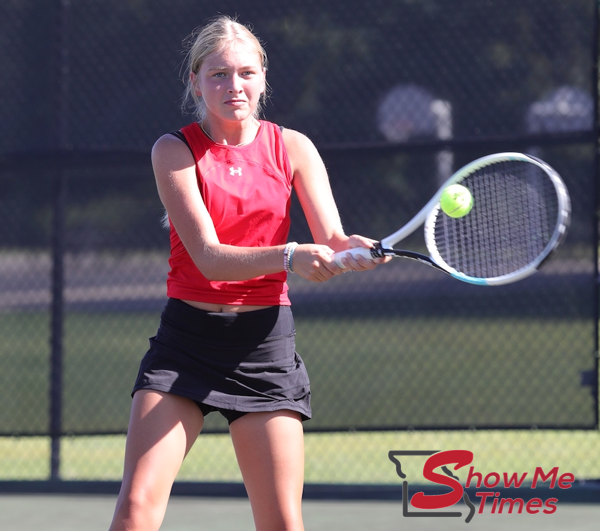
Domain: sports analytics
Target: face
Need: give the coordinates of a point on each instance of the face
(231, 83)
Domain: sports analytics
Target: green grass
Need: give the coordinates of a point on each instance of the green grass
(404, 371)
(359, 457)
(448, 371)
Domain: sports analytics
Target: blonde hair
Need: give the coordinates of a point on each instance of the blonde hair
(214, 37)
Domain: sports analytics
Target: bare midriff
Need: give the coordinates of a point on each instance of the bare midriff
(224, 308)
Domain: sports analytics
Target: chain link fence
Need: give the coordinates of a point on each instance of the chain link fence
(396, 95)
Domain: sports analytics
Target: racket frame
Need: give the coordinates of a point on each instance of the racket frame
(429, 212)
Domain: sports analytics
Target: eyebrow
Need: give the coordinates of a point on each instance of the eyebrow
(219, 68)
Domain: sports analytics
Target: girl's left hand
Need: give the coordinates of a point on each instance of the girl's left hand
(359, 263)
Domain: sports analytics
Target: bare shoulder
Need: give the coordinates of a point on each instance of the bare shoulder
(170, 151)
(300, 148)
(295, 140)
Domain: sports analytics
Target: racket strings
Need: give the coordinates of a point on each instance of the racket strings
(512, 220)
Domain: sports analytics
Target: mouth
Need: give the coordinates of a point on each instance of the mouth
(235, 102)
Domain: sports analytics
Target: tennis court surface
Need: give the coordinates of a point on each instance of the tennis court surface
(93, 513)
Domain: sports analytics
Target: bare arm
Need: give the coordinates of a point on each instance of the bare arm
(314, 192)
(175, 174)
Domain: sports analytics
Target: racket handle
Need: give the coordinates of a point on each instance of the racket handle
(356, 251)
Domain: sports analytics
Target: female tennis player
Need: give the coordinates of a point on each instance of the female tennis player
(226, 337)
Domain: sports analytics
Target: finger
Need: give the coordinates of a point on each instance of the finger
(320, 276)
(368, 264)
(360, 263)
(333, 268)
(324, 268)
(351, 264)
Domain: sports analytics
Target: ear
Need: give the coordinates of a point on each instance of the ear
(194, 81)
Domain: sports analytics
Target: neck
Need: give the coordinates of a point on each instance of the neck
(238, 135)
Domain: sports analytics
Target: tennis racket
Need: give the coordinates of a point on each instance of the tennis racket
(520, 215)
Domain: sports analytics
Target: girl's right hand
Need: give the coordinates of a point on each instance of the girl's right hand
(315, 262)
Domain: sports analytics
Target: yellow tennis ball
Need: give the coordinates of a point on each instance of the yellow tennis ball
(456, 201)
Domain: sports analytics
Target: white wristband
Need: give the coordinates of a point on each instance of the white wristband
(288, 252)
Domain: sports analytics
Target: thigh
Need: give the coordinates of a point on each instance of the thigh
(162, 429)
(270, 450)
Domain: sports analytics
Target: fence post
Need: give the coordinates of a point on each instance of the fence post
(56, 337)
(58, 239)
(596, 127)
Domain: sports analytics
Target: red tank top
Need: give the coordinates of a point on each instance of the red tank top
(247, 191)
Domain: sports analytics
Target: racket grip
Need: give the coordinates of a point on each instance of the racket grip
(356, 251)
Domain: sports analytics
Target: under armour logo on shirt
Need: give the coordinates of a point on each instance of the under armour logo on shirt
(233, 171)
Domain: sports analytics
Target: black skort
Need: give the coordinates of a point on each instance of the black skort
(235, 363)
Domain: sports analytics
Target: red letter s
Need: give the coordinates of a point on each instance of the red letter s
(438, 501)
(550, 505)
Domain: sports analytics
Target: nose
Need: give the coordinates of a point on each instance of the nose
(235, 86)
